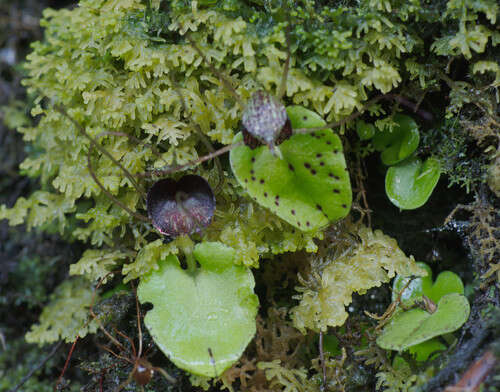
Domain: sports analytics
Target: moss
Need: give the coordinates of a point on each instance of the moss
(125, 73)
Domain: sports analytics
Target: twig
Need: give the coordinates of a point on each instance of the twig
(83, 132)
(37, 367)
(192, 163)
(108, 193)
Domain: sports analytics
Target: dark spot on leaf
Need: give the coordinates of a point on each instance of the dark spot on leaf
(344, 206)
(261, 181)
(328, 142)
(322, 163)
(307, 165)
(293, 212)
(319, 207)
(318, 155)
(313, 172)
(308, 224)
(246, 180)
(304, 118)
(277, 202)
(277, 197)
(336, 191)
(265, 194)
(335, 151)
(252, 172)
(253, 178)
(291, 167)
(253, 159)
(298, 224)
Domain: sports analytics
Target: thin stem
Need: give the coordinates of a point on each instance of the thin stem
(286, 67)
(186, 245)
(211, 148)
(108, 193)
(37, 367)
(216, 72)
(94, 143)
(171, 170)
(136, 140)
(322, 359)
(204, 140)
(165, 374)
(138, 323)
(115, 354)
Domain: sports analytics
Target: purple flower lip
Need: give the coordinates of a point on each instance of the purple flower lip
(180, 207)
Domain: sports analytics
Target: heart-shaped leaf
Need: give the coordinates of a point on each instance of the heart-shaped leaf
(410, 184)
(195, 316)
(408, 328)
(447, 282)
(306, 182)
(399, 142)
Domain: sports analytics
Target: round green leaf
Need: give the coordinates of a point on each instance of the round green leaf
(408, 328)
(306, 182)
(365, 131)
(447, 282)
(212, 310)
(399, 142)
(410, 184)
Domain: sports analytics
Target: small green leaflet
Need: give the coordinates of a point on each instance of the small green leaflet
(309, 185)
(415, 326)
(410, 183)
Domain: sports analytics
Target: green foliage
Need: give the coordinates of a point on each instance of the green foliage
(330, 286)
(410, 183)
(446, 282)
(398, 142)
(127, 73)
(66, 314)
(289, 380)
(18, 359)
(202, 311)
(457, 154)
(409, 328)
(306, 184)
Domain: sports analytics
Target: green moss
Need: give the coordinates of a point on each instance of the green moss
(128, 74)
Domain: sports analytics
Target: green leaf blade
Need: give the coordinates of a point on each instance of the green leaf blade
(212, 310)
(308, 186)
(410, 184)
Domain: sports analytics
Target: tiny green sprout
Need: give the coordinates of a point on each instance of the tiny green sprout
(365, 130)
(202, 320)
(398, 143)
(410, 183)
(446, 310)
(308, 184)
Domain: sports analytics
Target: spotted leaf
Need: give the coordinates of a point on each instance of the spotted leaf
(305, 182)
